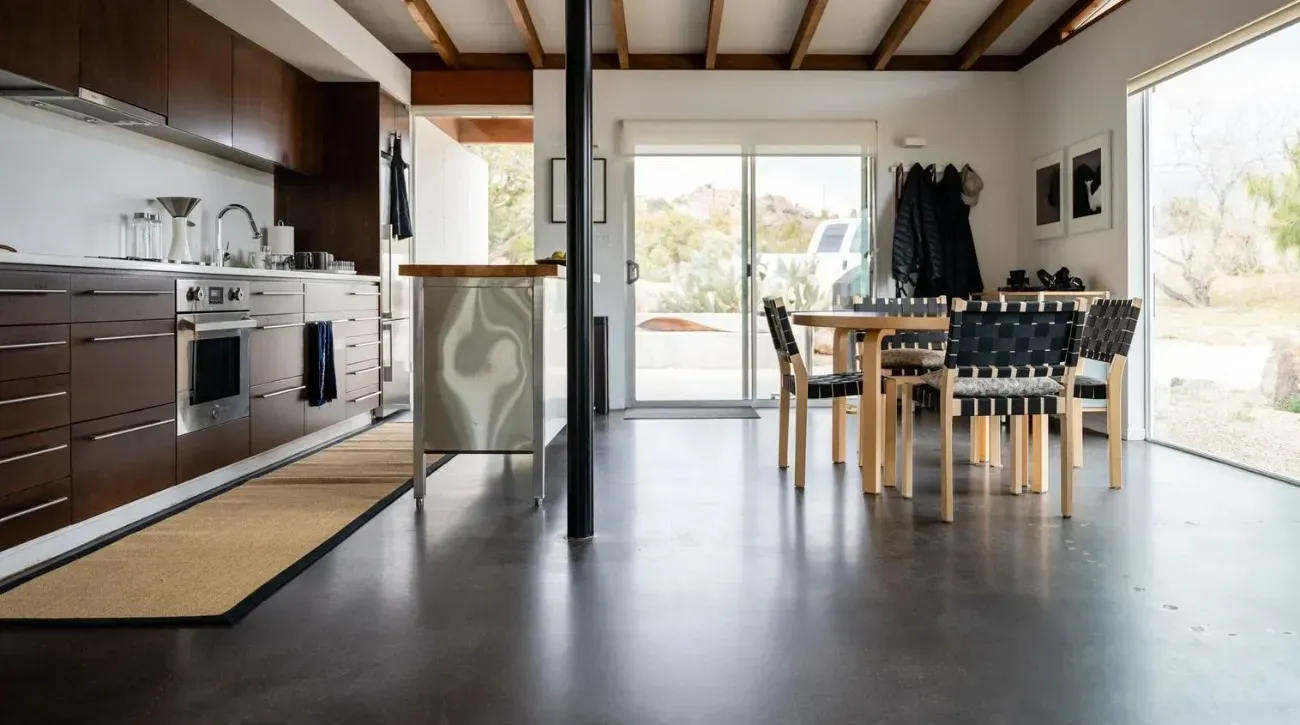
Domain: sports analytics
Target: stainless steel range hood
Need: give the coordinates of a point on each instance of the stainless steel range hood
(85, 105)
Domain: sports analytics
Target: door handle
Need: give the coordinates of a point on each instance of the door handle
(633, 271)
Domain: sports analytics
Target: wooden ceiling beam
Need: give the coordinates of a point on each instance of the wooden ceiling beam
(473, 62)
(715, 30)
(494, 130)
(424, 17)
(812, 17)
(1065, 27)
(524, 22)
(898, 30)
(993, 27)
(620, 33)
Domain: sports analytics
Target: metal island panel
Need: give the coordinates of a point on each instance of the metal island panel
(490, 364)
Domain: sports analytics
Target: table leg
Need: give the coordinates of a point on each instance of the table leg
(839, 423)
(869, 411)
(418, 460)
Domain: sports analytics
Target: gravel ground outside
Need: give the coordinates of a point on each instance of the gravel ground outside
(1231, 424)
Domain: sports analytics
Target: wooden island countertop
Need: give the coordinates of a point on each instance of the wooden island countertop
(481, 270)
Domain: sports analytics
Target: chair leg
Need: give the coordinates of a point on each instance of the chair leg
(946, 504)
(1022, 445)
(1115, 440)
(1042, 439)
(891, 432)
(976, 444)
(905, 391)
(1076, 443)
(995, 441)
(783, 457)
(1067, 462)
(800, 438)
(1017, 453)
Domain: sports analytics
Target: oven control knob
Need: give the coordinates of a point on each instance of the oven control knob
(194, 294)
(236, 294)
(216, 412)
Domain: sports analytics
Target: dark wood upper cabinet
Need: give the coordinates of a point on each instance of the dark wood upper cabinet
(199, 59)
(124, 50)
(302, 143)
(258, 101)
(39, 40)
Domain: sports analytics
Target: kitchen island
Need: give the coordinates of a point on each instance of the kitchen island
(490, 362)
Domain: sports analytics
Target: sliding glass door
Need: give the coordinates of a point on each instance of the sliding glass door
(712, 236)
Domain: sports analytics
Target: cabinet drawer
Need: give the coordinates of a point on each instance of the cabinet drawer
(276, 348)
(122, 366)
(363, 400)
(30, 298)
(110, 298)
(34, 404)
(363, 375)
(30, 352)
(361, 325)
(277, 413)
(34, 512)
(120, 459)
(327, 297)
(206, 450)
(360, 349)
(33, 459)
(277, 298)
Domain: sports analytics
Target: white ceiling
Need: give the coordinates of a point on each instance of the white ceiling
(681, 26)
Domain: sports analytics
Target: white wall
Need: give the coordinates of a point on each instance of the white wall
(1079, 90)
(966, 118)
(451, 199)
(66, 187)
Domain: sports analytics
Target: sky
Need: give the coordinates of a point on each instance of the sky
(833, 184)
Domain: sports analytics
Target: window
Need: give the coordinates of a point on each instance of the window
(832, 239)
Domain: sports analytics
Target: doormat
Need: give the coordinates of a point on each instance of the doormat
(213, 562)
(690, 414)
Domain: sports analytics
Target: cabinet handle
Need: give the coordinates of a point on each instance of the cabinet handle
(365, 397)
(30, 398)
(33, 292)
(31, 345)
(134, 429)
(367, 370)
(359, 344)
(32, 510)
(281, 327)
(278, 294)
(33, 454)
(363, 294)
(127, 292)
(281, 392)
(362, 319)
(132, 337)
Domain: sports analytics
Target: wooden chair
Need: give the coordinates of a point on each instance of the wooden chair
(795, 381)
(1107, 337)
(1004, 359)
(905, 357)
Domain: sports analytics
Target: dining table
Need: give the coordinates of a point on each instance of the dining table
(874, 326)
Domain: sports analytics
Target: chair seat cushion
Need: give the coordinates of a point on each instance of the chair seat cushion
(995, 387)
(832, 385)
(1089, 388)
(929, 396)
(911, 358)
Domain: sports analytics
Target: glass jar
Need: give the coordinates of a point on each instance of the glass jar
(137, 240)
(155, 250)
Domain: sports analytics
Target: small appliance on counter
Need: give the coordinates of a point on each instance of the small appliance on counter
(279, 239)
(180, 208)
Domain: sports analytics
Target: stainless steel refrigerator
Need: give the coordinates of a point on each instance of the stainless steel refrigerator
(395, 300)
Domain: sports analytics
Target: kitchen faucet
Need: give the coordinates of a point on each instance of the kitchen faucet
(219, 257)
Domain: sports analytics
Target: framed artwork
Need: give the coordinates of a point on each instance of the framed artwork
(559, 212)
(1049, 209)
(1088, 166)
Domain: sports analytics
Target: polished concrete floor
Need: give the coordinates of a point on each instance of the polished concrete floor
(714, 593)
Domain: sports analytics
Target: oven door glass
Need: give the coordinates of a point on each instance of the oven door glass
(215, 368)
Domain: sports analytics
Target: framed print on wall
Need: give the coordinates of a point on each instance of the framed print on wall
(1088, 166)
(1049, 209)
(559, 212)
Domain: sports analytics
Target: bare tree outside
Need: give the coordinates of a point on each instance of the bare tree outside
(511, 211)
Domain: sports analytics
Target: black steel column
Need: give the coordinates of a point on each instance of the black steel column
(577, 137)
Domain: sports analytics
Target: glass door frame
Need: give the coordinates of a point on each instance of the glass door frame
(750, 299)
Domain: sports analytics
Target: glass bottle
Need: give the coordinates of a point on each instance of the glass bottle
(137, 242)
(155, 237)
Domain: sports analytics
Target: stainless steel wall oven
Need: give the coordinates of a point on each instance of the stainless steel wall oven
(212, 353)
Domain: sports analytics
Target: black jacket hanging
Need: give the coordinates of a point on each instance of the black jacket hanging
(960, 272)
(916, 235)
(399, 204)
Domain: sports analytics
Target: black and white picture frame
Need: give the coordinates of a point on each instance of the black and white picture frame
(1049, 199)
(559, 212)
(1089, 183)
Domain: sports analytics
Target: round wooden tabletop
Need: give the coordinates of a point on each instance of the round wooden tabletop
(850, 320)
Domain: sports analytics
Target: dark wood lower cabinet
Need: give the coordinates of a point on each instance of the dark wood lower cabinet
(363, 401)
(278, 413)
(276, 348)
(34, 512)
(31, 351)
(33, 404)
(206, 450)
(122, 366)
(119, 459)
(33, 459)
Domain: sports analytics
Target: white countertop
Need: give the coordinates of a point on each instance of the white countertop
(53, 260)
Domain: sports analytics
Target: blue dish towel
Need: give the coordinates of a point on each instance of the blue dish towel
(321, 386)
